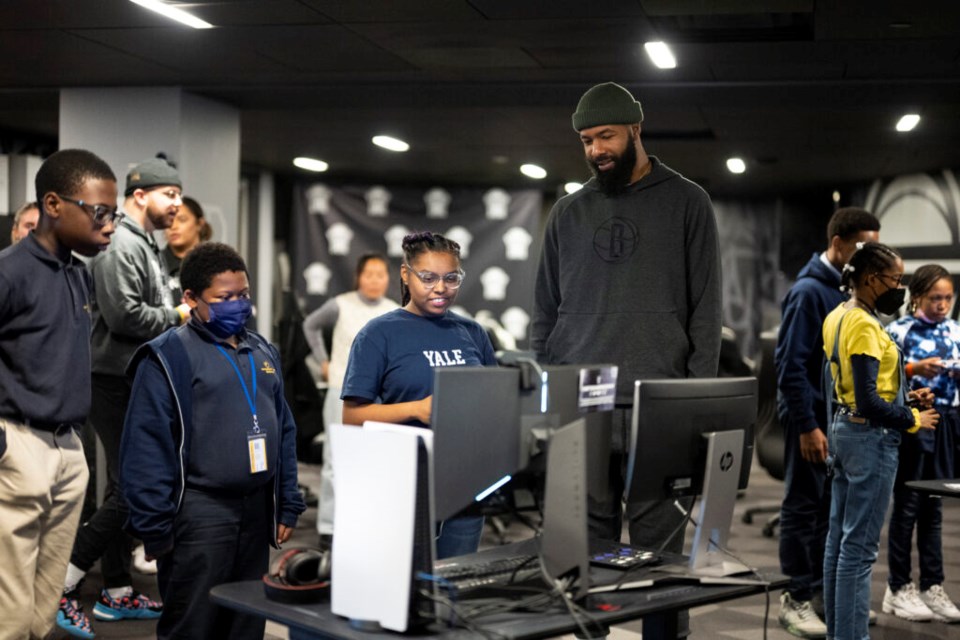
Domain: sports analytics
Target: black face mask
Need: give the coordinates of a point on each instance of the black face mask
(890, 301)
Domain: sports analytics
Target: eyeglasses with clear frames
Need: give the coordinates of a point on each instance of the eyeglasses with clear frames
(172, 194)
(429, 279)
(101, 213)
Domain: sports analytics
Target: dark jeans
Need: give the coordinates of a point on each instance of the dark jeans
(912, 509)
(649, 523)
(102, 536)
(217, 539)
(804, 518)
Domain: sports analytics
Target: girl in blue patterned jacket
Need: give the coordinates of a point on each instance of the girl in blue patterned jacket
(930, 341)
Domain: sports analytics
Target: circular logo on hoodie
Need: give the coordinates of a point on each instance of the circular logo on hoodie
(615, 240)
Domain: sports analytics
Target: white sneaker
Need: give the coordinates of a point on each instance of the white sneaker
(799, 618)
(140, 562)
(940, 604)
(906, 604)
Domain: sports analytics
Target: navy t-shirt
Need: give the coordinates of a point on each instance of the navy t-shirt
(393, 357)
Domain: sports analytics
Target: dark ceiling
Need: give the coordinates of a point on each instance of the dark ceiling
(807, 92)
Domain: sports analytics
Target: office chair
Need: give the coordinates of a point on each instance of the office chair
(770, 435)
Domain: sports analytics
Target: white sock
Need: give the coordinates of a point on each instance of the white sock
(74, 576)
(120, 592)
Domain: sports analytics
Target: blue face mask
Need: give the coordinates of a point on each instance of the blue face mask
(228, 318)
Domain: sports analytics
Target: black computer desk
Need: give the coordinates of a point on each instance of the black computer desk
(656, 605)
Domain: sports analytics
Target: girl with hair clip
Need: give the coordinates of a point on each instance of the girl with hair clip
(389, 374)
(871, 413)
(930, 341)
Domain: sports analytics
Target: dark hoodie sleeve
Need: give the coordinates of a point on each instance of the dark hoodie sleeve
(703, 289)
(149, 464)
(800, 335)
(547, 291)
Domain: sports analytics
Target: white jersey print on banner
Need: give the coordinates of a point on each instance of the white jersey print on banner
(339, 236)
(317, 276)
(515, 320)
(494, 281)
(378, 201)
(497, 203)
(394, 239)
(517, 241)
(318, 199)
(437, 201)
(461, 236)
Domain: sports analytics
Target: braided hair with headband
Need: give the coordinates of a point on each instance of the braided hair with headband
(420, 242)
(870, 257)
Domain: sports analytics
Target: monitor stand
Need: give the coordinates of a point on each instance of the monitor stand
(564, 546)
(720, 479)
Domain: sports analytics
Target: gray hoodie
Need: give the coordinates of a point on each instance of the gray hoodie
(133, 303)
(632, 280)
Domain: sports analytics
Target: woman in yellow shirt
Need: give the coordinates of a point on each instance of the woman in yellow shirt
(871, 410)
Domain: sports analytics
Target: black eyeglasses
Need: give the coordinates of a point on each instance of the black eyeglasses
(101, 213)
(897, 280)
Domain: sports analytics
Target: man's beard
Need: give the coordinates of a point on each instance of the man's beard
(615, 181)
(159, 218)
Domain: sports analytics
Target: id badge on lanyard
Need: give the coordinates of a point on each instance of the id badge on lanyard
(257, 446)
(256, 439)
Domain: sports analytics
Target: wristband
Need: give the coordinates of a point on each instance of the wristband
(909, 369)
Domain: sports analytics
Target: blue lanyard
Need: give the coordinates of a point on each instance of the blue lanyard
(251, 401)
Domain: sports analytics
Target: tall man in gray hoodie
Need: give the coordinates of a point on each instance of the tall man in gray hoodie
(629, 274)
(133, 305)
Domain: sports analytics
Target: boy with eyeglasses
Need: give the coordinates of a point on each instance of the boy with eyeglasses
(45, 385)
(208, 460)
(133, 305)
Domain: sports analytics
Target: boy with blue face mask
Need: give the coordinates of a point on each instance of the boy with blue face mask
(208, 457)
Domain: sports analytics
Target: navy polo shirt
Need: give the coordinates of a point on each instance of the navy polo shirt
(44, 336)
(222, 418)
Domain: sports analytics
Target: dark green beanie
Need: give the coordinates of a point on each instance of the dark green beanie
(155, 172)
(606, 103)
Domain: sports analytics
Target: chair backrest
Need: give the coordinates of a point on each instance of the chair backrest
(770, 435)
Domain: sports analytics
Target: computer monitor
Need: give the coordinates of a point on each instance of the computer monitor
(553, 396)
(475, 422)
(694, 437)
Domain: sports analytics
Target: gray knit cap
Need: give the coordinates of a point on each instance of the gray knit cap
(155, 172)
(606, 103)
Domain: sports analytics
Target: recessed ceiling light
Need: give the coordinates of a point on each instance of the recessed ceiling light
(533, 171)
(660, 55)
(736, 165)
(173, 13)
(388, 142)
(310, 164)
(908, 122)
(573, 187)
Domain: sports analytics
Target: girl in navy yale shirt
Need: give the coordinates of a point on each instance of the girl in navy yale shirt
(390, 371)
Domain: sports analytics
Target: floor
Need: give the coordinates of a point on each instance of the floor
(737, 620)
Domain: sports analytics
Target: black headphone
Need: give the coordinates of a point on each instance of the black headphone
(298, 576)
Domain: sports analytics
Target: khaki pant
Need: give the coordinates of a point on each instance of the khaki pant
(43, 477)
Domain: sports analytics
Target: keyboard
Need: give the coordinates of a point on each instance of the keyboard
(620, 556)
(465, 578)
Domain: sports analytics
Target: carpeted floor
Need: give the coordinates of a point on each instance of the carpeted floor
(737, 620)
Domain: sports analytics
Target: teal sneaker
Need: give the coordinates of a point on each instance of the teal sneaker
(71, 618)
(135, 606)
